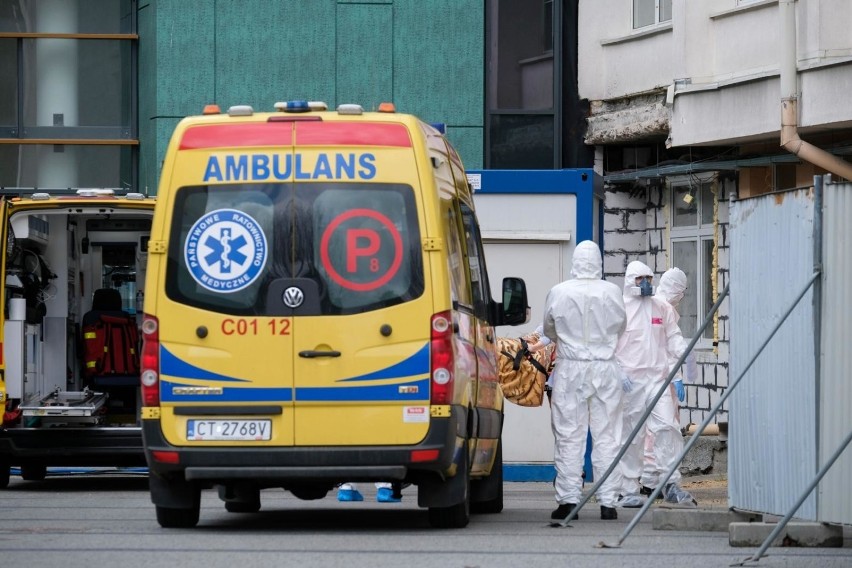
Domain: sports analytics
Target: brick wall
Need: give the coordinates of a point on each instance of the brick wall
(635, 228)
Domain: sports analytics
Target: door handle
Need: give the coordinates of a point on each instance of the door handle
(311, 354)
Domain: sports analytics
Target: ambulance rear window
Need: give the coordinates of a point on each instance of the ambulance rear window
(346, 247)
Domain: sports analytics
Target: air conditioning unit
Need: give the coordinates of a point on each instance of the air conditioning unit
(32, 228)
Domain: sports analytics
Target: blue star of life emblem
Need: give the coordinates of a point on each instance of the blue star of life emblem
(225, 250)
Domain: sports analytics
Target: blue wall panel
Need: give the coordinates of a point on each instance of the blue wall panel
(364, 54)
(274, 51)
(185, 56)
(426, 56)
(439, 63)
(148, 161)
(468, 143)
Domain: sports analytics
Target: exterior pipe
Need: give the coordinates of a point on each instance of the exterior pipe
(790, 140)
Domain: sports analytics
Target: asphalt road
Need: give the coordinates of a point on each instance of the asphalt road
(107, 520)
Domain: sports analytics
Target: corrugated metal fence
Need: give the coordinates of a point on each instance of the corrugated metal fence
(835, 385)
(784, 420)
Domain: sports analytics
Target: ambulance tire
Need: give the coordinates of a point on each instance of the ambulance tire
(4, 474)
(33, 472)
(455, 516)
(242, 506)
(487, 493)
(178, 518)
(309, 492)
(178, 502)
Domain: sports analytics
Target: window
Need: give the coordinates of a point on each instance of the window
(650, 12)
(68, 103)
(455, 256)
(521, 98)
(476, 259)
(692, 244)
(352, 248)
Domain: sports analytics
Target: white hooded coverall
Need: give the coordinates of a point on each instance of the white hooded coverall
(650, 340)
(673, 284)
(585, 315)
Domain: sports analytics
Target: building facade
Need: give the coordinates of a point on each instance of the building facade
(96, 87)
(694, 103)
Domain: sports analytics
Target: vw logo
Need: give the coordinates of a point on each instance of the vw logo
(293, 297)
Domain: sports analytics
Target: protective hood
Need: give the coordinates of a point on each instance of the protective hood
(672, 286)
(587, 261)
(634, 270)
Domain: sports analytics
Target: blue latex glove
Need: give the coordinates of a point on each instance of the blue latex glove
(681, 394)
(626, 384)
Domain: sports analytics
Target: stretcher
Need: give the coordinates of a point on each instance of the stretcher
(84, 406)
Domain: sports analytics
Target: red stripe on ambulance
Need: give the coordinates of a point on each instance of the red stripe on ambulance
(352, 134)
(230, 135)
(307, 134)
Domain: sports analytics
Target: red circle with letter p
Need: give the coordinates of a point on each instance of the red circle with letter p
(363, 235)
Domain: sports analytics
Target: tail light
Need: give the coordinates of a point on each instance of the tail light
(441, 359)
(150, 376)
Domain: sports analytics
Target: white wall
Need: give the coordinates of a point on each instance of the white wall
(615, 60)
(726, 62)
(731, 59)
(530, 236)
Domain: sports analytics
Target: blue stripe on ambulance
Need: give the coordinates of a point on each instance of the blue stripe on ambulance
(417, 364)
(366, 393)
(374, 393)
(228, 394)
(173, 366)
(413, 390)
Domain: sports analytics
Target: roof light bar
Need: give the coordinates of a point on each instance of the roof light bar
(350, 109)
(94, 192)
(211, 109)
(300, 106)
(240, 110)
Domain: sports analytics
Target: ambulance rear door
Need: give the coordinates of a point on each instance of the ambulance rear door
(361, 354)
(225, 333)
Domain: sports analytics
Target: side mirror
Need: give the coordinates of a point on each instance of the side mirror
(514, 307)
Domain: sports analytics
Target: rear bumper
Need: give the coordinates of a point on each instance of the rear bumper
(275, 464)
(95, 446)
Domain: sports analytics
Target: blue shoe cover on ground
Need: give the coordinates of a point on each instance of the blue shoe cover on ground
(385, 495)
(349, 495)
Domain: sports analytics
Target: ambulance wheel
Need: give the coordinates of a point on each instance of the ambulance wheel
(178, 518)
(486, 494)
(4, 475)
(178, 502)
(34, 472)
(455, 516)
(309, 492)
(242, 507)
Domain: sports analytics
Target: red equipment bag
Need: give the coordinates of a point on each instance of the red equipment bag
(110, 347)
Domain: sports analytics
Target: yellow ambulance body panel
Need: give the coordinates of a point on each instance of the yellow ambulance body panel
(318, 311)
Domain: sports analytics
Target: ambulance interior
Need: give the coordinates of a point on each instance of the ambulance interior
(55, 261)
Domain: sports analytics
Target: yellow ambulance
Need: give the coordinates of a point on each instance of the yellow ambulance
(72, 270)
(318, 311)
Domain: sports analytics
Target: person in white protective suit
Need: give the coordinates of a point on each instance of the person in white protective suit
(585, 315)
(651, 339)
(672, 287)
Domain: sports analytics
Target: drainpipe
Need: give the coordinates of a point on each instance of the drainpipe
(790, 101)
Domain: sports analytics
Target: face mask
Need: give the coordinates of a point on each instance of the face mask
(645, 288)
